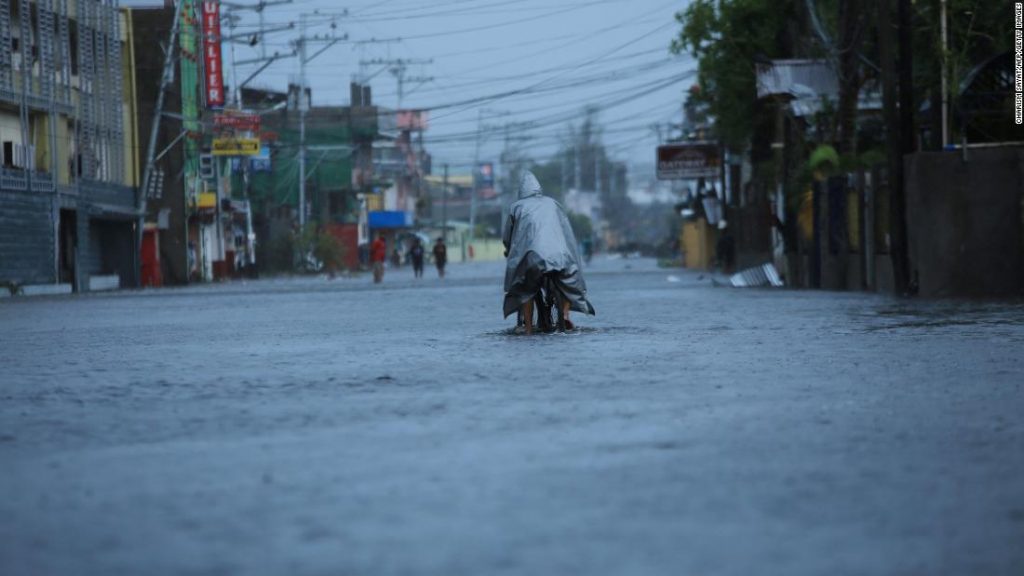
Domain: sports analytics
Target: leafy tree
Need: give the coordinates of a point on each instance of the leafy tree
(728, 37)
(549, 174)
(581, 226)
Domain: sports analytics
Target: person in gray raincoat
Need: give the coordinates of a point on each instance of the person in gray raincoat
(539, 242)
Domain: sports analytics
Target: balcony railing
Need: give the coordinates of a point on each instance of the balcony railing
(13, 179)
(42, 182)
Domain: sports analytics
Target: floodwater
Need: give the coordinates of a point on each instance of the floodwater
(309, 426)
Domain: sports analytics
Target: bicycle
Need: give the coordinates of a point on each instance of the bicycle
(548, 297)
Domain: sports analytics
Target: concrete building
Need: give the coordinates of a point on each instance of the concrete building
(339, 173)
(400, 164)
(68, 211)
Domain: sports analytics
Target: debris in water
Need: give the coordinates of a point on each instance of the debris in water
(763, 275)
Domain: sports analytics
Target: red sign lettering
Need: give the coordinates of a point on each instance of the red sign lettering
(211, 54)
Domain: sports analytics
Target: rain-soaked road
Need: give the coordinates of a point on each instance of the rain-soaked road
(337, 428)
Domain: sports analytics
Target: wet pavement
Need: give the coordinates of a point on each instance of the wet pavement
(309, 426)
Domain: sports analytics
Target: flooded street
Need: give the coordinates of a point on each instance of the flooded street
(310, 426)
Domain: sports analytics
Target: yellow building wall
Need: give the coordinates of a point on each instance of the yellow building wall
(698, 244)
(64, 139)
(130, 110)
(487, 250)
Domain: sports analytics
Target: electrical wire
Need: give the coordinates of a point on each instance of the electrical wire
(567, 78)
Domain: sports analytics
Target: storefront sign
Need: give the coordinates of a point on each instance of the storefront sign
(235, 146)
(390, 219)
(689, 160)
(214, 77)
(240, 122)
(261, 162)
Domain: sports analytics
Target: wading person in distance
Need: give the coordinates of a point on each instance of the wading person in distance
(541, 250)
(416, 257)
(440, 256)
(378, 254)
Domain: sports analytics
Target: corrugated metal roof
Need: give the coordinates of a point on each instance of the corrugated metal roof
(797, 78)
(808, 83)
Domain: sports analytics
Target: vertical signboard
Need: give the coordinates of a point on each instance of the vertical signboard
(485, 180)
(214, 78)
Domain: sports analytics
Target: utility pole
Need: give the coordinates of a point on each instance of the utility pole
(147, 176)
(505, 174)
(577, 166)
(165, 80)
(266, 61)
(302, 122)
(480, 137)
(945, 73)
(444, 206)
(304, 59)
(398, 68)
(898, 224)
(402, 79)
(236, 99)
(476, 174)
(565, 171)
(259, 8)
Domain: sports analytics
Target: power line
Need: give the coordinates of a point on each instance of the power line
(502, 24)
(618, 99)
(482, 99)
(596, 79)
(561, 68)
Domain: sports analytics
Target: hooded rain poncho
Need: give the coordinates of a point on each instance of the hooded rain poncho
(540, 241)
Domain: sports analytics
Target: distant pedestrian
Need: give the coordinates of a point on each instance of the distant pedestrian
(416, 257)
(378, 254)
(440, 256)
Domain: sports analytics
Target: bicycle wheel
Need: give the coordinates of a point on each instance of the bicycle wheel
(543, 307)
(554, 299)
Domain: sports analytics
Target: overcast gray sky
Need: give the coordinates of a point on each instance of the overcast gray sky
(536, 61)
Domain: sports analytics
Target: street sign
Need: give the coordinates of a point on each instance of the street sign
(689, 160)
(235, 146)
(261, 161)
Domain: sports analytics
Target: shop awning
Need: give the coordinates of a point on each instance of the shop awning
(390, 219)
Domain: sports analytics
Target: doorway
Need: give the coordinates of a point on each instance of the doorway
(67, 248)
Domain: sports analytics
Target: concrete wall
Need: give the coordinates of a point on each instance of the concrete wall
(26, 238)
(484, 250)
(965, 222)
(751, 227)
(697, 243)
